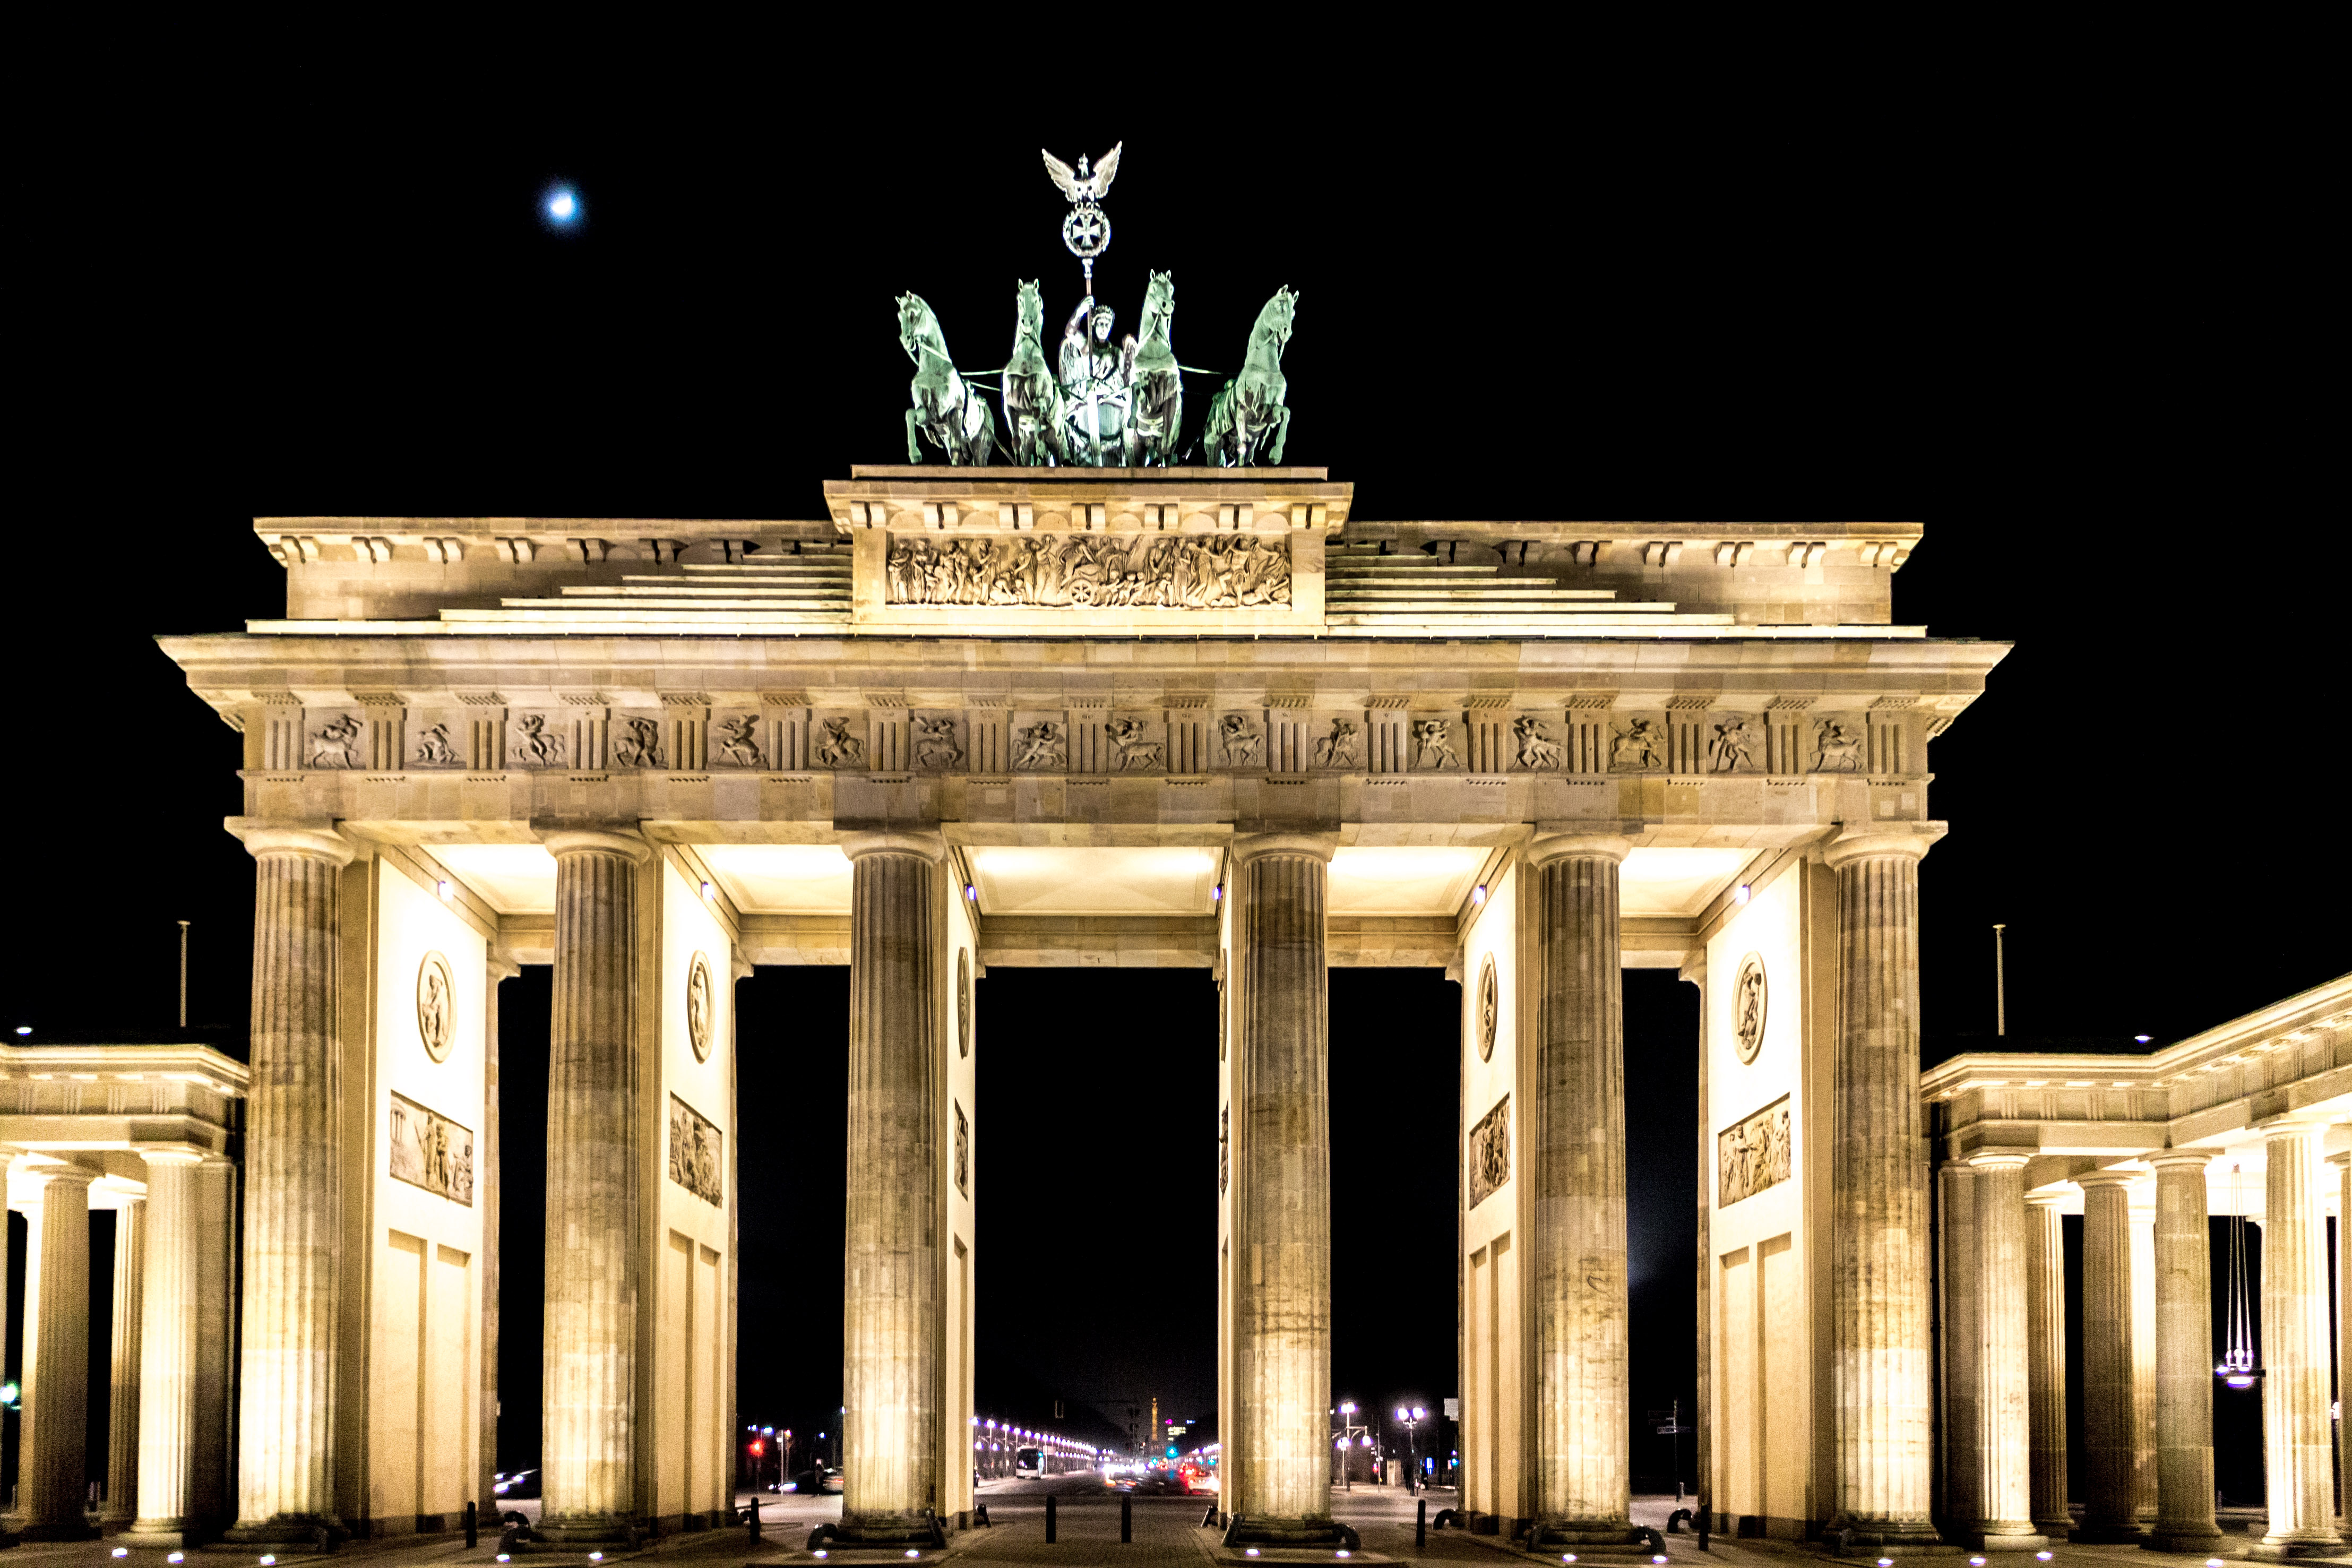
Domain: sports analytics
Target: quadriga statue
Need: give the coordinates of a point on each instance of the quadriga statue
(946, 411)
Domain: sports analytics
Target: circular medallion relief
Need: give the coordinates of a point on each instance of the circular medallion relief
(964, 1001)
(1748, 997)
(697, 1007)
(436, 1007)
(1490, 1004)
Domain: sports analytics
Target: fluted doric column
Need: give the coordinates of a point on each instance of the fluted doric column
(891, 1353)
(170, 1333)
(1282, 1190)
(123, 1387)
(1703, 1456)
(1878, 1197)
(1573, 1125)
(53, 1427)
(2045, 1359)
(2184, 1356)
(2004, 1497)
(1963, 1347)
(2143, 1277)
(593, 1155)
(2296, 1461)
(2110, 1415)
(2341, 1163)
(485, 1193)
(293, 1161)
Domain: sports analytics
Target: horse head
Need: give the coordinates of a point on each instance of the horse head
(1159, 305)
(1029, 313)
(1274, 321)
(918, 328)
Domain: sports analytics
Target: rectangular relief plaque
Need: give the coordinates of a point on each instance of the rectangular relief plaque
(1752, 1155)
(694, 1147)
(432, 1152)
(1089, 571)
(962, 1153)
(1490, 1153)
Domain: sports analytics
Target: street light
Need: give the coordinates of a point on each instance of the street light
(1413, 1416)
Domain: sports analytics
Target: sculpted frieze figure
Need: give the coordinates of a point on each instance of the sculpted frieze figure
(429, 1151)
(537, 746)
(1836, 748)
(739, 742)
(433, 746)
(935, 743)
(694, 1152)
(1537, 748)
(1179, 572)
(1337, 749)
(1096, 382)
(332, 747)
(1044, 745)
(1727, 751)
(1490, 1153)
(1432, 744)
(1239, 737)
(1752, 1155)
(836, 747)
(1129, 745)
(639, 745)
(1641, 745)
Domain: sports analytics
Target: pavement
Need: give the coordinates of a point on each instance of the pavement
(1167, 1531)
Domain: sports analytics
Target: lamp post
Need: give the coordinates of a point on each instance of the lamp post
(1411, 1417)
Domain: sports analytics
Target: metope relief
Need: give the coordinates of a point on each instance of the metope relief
(1131, 744)
(637, 743)
(1044, 746)
(1339, 749)
(1837, 748)
(331, 746)
(433, 748)
(1752, 1155)
(739, 742)
(1731, 748)
(1239, 740)
(1640, 747)
(1490, 1153)
(1181, 572)
(436, 1007)
(935, 745)
(536, 745)
(835, 747)
(694, 1149)
(1432, 744)
(1538, 749)
(432, 1152)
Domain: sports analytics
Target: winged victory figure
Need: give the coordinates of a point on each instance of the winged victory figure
(1079, 185)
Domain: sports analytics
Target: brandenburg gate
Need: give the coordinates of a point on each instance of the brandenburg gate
(984, 716)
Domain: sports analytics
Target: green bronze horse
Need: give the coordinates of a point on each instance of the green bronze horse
(1033, 409)
(945, 414)
(1157, 415)
(1247, 418)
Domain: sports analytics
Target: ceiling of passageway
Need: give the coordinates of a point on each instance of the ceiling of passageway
(1106, 881)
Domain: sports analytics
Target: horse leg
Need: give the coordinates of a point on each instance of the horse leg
(914, 449)
(1281, 431)
(987, 433)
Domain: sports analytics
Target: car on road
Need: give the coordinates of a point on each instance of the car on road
(822, 1479)
(1148, 1483)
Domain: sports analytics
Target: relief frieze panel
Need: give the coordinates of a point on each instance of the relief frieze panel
(695, 1143)
(432, 1152)
(1137, 570)
(1490, 1153)
(1752, 1155)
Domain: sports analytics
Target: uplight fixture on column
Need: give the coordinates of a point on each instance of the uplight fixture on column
(443, 889)
(2240, 1367)
(709, 894)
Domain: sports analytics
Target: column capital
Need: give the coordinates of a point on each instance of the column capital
(1551, 846)
(2048, 1199)
(172, 1156)
(318, 840)
(2296, 1123)
(2178, 1159)
(932, 846)
(2125, 1179)
(1998, 1159)
(1868, 841)
(563, 841)
(1249, 846)
(53, 1176)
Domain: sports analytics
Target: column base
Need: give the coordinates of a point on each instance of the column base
(582, 1531)
(1599, 1539)
(2196, 1541)
(2057, 1529)
(167, 1534)
(882, 1529)
(2003, 1535)
(1272, 1530)
(54, 1529)
(1884, 1538)
(323, 1530)
(2279, 1548)
(2105, 1534)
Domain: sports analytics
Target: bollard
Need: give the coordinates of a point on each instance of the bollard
(1126, 1518)
(1049, 1519)
(471, 1525)
(752, 1516)
(1421, 1525)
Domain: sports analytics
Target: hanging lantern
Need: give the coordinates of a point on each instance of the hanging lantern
(2240, 1367)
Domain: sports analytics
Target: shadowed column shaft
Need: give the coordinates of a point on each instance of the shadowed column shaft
(293, 1161)
(1282, 1176)
(2297, 1461)
(171, 1316)
(2110, 1422)
(2184, 1357)
(1701, 1437)
(53, 1428)
(2005, 1476)
(890, 1322)
(1963, 1345)
(2143, 1280)
(2045, 1363)
(2343, 1165)
(1575, 1155)
(1878, 1266)
(590, 1356)
(122, 1388)
(485, 1193)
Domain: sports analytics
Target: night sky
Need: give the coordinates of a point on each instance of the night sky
(2068, 332)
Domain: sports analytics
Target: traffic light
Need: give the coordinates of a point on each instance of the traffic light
(758, 1446)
